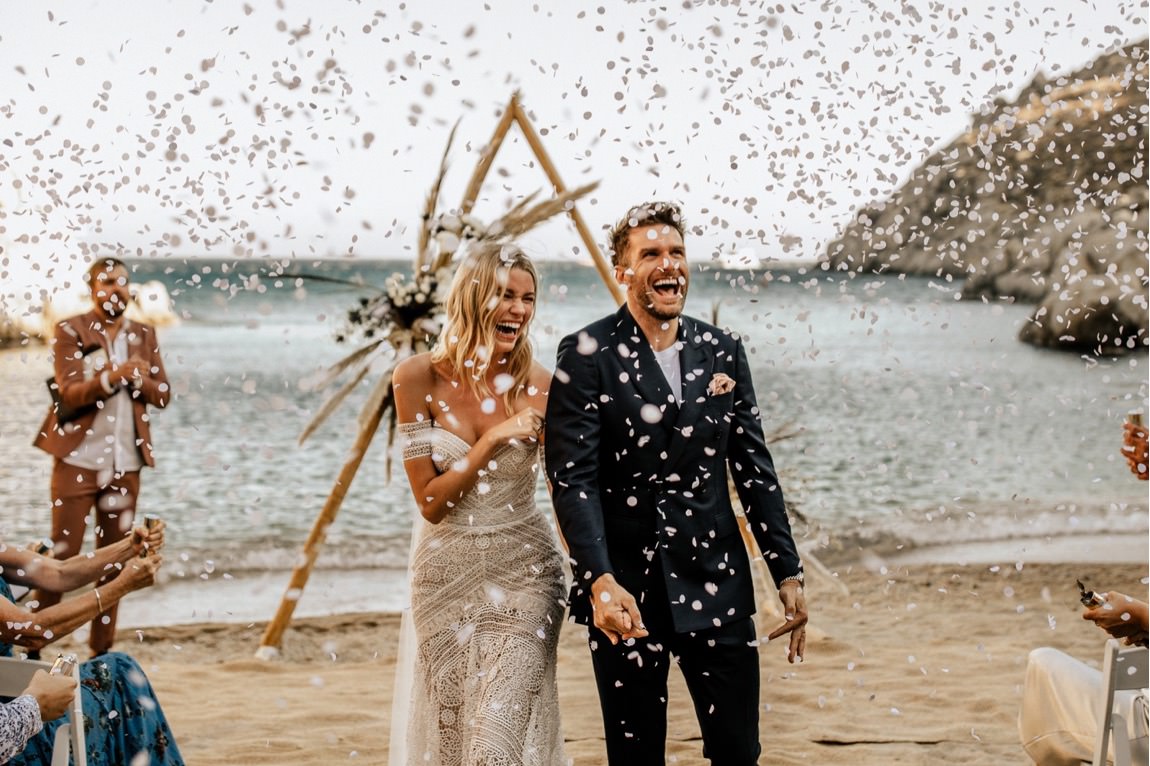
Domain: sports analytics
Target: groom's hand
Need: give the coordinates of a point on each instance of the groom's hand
(615, 611)
(795, 613)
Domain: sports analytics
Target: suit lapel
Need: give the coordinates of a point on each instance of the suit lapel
(696, 365)
(91, 338)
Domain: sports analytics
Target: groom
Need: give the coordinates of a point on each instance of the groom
(648, 411)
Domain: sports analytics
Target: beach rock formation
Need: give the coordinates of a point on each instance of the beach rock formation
(1042, 200)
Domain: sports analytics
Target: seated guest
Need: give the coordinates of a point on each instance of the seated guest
(1062, 697)
(122, 718)
(46, 699)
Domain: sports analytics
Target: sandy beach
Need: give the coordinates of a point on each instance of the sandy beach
(908, 664)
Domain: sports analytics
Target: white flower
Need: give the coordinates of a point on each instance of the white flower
(448, 222)
(473, 228)
(448, 241)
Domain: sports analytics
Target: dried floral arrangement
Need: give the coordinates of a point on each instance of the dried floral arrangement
(404, 316)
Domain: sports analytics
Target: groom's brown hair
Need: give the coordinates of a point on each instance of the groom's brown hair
(646, 214)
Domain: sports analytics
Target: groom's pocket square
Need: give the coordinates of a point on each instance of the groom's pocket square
(720, 384)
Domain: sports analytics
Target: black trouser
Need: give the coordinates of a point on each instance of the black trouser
(721, 668)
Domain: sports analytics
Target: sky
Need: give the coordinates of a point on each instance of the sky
(314, 129)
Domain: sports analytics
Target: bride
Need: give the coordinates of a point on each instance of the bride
(487, 578)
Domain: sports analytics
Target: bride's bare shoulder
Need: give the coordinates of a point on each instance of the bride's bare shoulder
(415, 370)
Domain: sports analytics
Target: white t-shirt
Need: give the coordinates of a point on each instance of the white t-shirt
(110, 446)
(668, 360)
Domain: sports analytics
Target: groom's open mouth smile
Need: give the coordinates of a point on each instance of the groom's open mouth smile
(668, 287)
(668, 293)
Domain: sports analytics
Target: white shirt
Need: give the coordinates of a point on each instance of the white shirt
(110, 447)
(668, 360)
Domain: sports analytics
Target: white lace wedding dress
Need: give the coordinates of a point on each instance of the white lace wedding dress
(487, 601)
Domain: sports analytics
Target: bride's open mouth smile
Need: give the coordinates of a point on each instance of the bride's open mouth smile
(507, 331)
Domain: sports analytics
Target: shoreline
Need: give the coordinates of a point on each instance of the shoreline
(919, 663)
(255, 597)
(1066, 549)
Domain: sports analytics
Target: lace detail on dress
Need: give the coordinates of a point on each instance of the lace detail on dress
(487, 600)
(416, 439)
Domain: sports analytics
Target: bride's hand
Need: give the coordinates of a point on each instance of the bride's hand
(522, 426)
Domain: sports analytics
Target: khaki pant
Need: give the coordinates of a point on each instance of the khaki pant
(1061, 702)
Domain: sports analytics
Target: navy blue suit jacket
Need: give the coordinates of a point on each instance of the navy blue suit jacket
(634, 475)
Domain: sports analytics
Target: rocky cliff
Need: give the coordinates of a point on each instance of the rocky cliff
(1042, 200)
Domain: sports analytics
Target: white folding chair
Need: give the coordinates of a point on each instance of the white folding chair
(1122, 670)
(15, 675)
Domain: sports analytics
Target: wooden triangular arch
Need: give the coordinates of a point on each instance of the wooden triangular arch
(514, 113)
(273, 636)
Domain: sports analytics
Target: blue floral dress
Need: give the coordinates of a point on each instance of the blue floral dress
(122, 717)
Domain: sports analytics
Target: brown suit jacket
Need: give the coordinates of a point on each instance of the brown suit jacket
(77, 336)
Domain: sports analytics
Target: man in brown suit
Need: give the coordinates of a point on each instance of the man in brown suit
(107, 370)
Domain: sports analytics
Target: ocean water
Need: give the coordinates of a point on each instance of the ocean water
(913, 419)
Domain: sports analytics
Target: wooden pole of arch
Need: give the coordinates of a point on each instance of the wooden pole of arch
(488, 157)
(273, 636)
(601, 265)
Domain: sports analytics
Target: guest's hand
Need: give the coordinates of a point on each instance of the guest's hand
(146, 540)
(54, 694)
(140, 573)
(132, 370)
(615, 611)
(1134, 449)
(795, 613)
(1121, 616)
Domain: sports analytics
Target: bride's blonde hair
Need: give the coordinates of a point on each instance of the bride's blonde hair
(467, 342)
